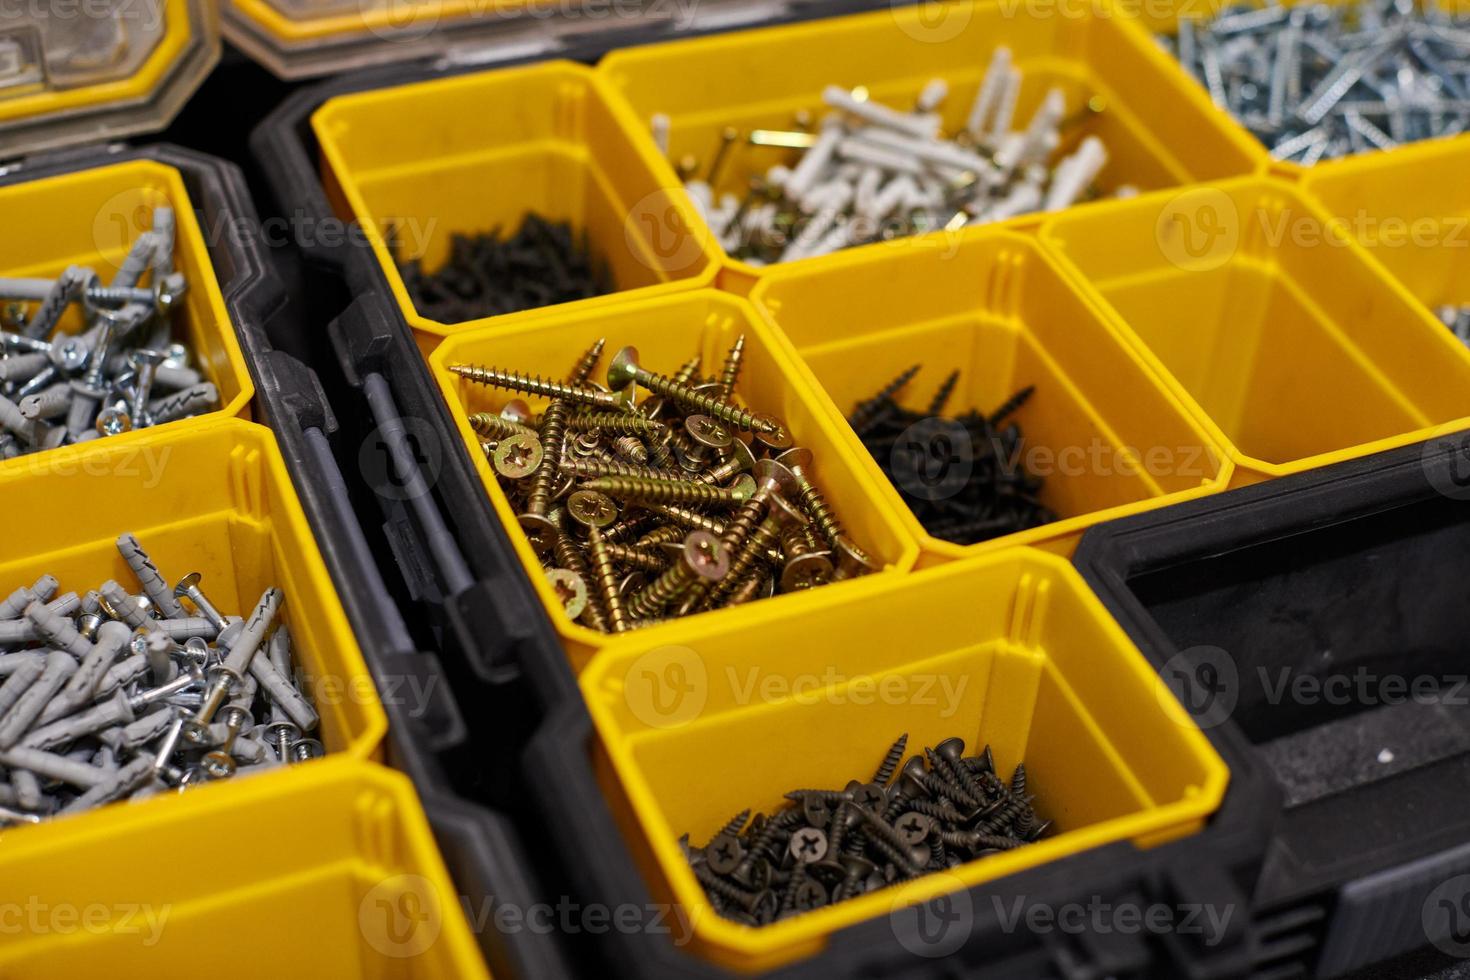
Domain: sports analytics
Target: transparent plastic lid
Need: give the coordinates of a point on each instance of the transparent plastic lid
(306, 38)
(80, 71)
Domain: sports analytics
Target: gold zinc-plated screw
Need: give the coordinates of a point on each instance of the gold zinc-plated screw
(615, 424)
(531, 384)
(630, 450)
(642, 559)
(740, 460)
(569, 556)
(625, 371)
(496, 427)
(689, 518)
(799, 461)
(596, 469)
(702, 559)
(585, 365)
(654, 491)
(730, 373)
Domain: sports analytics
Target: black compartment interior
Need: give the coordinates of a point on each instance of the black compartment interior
(1367, 609)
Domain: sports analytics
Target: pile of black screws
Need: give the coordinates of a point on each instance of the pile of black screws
(673, 505)
(123, 371)
(963, 477)
(112, 695)
(828, 846)
(542, 264)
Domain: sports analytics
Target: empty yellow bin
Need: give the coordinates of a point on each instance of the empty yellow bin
(214, 499)
(1106, 435)
(473, 152)
(1289, 341)
(667, 332)
(91, 218)
(1155, 133)
(327, 870)
(1411, 209)
(1009, 650)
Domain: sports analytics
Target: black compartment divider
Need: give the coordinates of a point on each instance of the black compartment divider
(1338, 600)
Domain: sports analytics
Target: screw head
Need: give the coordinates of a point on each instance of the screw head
(540, 531)
(914, 828)
(806, 572)
(810, 895)
(706, 556)
(570, 589)
(114, 422)
(143, 356)
(795, 458)
(516, 410)
(852, 559)
(518, 456)
(622, 371)
(708, 431)
(724, 854)
(869, 796)
(186, 585)
(808, 845)
(768, 471)
(70, 353)
(777, 439)
(951, 750)
(592, 509)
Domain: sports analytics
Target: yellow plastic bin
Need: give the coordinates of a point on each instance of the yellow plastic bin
(99, 71)
(1282, 334)
(1108, 438)
(469, 153)
(214, 499)
(1156, 134)
(1009, 649)
(326, 870)
(91, 218)
(1411, 209)
(668, 331)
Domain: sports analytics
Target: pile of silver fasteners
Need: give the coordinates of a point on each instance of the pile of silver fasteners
(868, 172)
(122, 371)
(1457, 318)
(942, 810)
(646, 510)
(113, 695)
(1317, 81)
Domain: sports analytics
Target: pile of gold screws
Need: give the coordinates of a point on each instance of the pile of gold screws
(648, 508)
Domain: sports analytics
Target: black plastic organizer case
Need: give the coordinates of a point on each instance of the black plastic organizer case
(448, 552)
(1317, 626)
